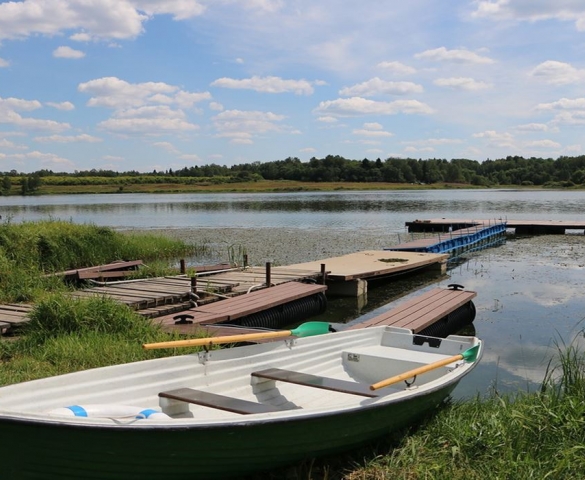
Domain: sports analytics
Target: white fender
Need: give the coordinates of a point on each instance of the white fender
(109, 411)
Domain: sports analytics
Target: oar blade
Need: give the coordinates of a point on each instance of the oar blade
(470, 355)
(309, 329)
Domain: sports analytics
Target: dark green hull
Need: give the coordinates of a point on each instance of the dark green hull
(47, 451)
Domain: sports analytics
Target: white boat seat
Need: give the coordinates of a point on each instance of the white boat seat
(326, 383)
(221, 402)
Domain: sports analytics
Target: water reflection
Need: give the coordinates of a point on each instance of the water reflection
(529, 289)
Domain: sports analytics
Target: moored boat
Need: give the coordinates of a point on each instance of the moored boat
(229, 412)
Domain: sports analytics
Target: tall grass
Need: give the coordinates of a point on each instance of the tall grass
(31, 250)
(537, 435)
(67, 334)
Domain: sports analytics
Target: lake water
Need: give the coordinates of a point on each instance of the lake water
(530, 290)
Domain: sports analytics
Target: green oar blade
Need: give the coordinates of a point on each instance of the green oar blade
(470, 354)
(310, 328)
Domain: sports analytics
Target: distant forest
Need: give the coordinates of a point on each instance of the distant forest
(516, 170)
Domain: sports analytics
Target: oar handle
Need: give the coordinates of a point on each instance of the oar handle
(415, 371)
(209, 341)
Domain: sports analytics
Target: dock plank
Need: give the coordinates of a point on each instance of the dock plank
(371, 263)
(419, 312)
(243, 305)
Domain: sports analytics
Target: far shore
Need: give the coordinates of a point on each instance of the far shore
(262, 186)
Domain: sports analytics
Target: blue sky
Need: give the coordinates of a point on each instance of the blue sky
(158, 84)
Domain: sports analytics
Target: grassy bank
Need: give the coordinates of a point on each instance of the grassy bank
(528, 435)
(523, 436)
(30, 251)
(262, 186)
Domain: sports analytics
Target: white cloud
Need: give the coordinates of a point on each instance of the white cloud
(563, 104)
(558, 73)
(308, 150)
(441, 54)
(356, 106)
(218, 107)
(179, 9)
(266, 85)
(48, 160)
(543, 144)
(397, 68)
(67, 52)
(327, 119)
(169, 147)
(188, 99)
(372, 130)
(103, 19)
(61, 105)
(9, 115)
(112, 92)
(241, 126)
(376, 86)
(461, 83)
(4, 63)
(532, 127)
(502, 140)
(5, 143)
(190, 157)
(532, 11)
(69, 139)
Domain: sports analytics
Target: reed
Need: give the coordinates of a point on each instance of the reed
(526, 435)
(67, 334)
(30, 251)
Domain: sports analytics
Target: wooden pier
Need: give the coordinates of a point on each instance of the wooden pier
(420, 312)
(231, 310)
(347, 274)
(520, 227)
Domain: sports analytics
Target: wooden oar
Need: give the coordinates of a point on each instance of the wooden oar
(468, 355)
(304, 330)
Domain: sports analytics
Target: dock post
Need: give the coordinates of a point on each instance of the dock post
(245, 260)
(194, 284)
(268, 280)
(323, 274)
(182, 263)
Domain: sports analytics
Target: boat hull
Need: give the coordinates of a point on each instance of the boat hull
(33, 450)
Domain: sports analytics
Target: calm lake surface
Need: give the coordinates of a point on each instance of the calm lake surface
(530, 290)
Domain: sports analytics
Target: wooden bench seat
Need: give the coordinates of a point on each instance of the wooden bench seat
(221, 402)
(316, 381)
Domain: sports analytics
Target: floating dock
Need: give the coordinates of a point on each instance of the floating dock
(437, 312)
(347, 275)
(456, 242)
(520, 227)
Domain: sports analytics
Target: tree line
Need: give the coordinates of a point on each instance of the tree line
(512, 170)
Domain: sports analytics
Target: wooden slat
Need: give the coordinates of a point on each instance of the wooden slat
(420, 312)
(316, 381)
(242, 305)
(259, 300)
(221, 402)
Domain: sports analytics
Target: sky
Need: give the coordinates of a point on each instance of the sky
(164, 84)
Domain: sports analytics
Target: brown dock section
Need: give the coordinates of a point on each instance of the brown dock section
(232, 309)
(422, 311)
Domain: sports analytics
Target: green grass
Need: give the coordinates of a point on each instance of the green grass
(66, 335)
(31, 250)
(539, 435)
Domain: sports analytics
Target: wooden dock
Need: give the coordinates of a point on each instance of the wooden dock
(347, 274)
(520, 227)
(236, 308)
(420, 312)
(154, 297)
